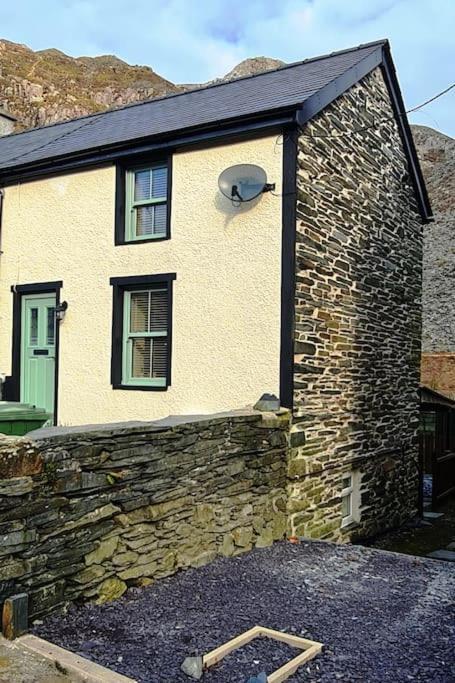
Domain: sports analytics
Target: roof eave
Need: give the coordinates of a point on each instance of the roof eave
(390, 77)
(209, 134)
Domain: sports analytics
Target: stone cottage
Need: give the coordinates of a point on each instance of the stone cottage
(131, 287)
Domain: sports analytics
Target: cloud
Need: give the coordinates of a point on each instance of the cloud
(199, 40)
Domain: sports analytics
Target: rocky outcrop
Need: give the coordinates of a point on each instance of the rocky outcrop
(254, 65)
(47, 86)
(437, 157)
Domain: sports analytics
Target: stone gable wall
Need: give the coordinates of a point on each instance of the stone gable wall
(83, 515)
(358, 320)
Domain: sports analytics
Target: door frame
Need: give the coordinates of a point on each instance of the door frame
(19, 291)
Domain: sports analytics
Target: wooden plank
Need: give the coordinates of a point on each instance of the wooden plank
(287, 670)
(80, 669)
(294, 641)
(310, 648)
(216, 655)
(15, 616)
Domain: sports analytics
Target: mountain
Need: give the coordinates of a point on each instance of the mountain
(47, 86)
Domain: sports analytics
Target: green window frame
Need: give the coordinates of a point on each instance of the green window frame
(145, 325)
(147, 202)
(142, 332)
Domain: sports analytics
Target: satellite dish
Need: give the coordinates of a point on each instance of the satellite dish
(243, 182)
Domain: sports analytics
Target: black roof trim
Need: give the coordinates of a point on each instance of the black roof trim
(381, 57)
(430, 396)
(390, 76)
(150, 146)
(320, 100)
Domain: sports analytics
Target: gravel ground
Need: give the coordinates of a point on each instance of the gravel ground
(381, 616)
(260, 655)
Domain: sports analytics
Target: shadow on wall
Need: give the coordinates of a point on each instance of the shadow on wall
(232, 210)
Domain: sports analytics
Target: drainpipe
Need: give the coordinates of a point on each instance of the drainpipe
(2, 196)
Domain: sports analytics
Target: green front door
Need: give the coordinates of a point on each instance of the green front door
(38, 351)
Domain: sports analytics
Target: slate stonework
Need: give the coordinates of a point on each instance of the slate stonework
(84, 514)
(358, 321)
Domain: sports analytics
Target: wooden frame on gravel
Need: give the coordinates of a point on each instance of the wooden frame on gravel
(310, 649)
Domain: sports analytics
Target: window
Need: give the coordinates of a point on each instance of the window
(141, 340)
(143, 203)
(428, 422)
(349, 498)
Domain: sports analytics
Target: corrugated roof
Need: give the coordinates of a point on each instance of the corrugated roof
(285, 87)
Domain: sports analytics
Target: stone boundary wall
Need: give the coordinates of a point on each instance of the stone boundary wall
(358, 318)
(84, 514)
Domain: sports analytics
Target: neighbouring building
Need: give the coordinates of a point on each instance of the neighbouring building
(131, 288)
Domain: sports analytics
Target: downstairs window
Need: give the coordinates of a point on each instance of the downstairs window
(142, 322)
(350, 496)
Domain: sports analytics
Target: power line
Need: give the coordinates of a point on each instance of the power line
(435, 97)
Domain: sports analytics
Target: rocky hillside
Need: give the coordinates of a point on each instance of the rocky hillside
(46, 86)
(437, 157)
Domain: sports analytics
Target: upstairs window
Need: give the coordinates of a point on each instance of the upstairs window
(143, 203)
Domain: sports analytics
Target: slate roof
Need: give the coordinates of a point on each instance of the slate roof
(286, 87)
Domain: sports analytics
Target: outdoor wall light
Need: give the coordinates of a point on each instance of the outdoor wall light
(244, 182)
(60, 310)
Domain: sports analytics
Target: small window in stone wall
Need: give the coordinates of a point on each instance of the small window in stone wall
(350, 498)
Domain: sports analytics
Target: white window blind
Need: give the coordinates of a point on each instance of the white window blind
(146, 203)
(145, 336)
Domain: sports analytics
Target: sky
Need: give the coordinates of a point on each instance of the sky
(192, 41)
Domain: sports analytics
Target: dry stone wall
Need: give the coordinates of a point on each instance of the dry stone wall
(84, 514)
(357, 322)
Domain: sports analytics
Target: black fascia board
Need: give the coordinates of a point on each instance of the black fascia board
(382, 58)
(321, 99)
(393, 86)
(217, 132)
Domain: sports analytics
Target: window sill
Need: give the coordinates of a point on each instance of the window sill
(141, 387)
(147, 240)
(350, 524)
